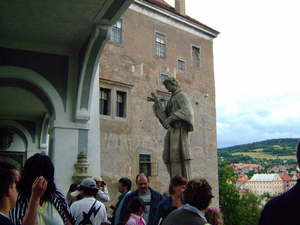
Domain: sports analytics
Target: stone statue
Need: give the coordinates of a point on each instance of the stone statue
(178, 119)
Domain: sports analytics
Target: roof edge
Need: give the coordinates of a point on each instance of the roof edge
(170, 12)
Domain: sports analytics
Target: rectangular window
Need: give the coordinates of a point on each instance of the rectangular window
(164, 77)
(145, 164)
(196, 57)
(104, 101)
(160, 45)
(116, 32)
(121, 104)
(181, 65)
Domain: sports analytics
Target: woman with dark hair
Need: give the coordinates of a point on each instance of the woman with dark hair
(70, 198)
(135, 209)
(197, 195)
(174, 201)
(53, 208)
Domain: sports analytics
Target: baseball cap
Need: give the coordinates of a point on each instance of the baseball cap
(98, 179)
(86, 183)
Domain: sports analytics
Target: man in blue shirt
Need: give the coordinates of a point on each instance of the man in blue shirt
(124, 186)
(150, 197)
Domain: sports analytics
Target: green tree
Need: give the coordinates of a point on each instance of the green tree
(266, 195)
(250, 174)
(236, 210)
(250, 211)
(229, 198)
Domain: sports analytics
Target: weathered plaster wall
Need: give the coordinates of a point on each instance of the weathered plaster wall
(134, 62)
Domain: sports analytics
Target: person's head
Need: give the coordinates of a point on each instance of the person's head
(213, 216)
(36, 166)
(8, 191)
(16, 175)
(136, 206)
(142, 182)
(298, 154)
(73, 187)
(171, 84)
(198, 193)
(87, 188)
(177, 185)
(99, 182)
(124, 185)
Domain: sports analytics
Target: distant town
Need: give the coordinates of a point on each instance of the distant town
(263, 168)
(277, 181)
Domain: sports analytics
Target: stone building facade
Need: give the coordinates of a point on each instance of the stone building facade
(260, 184)
(151, 42)
(287, 181)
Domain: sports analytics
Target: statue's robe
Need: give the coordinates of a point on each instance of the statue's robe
(176, 154)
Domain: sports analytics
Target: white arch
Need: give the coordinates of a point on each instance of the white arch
(37, 79)
(99, 37)
(20, 127)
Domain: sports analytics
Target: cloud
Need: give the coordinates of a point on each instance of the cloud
(257, 119)
(256, 58)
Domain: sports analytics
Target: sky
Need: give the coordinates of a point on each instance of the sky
(256, 62)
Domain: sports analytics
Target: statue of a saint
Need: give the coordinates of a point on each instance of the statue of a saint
(178, 119)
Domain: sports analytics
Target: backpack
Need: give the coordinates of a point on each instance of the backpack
(86, 216)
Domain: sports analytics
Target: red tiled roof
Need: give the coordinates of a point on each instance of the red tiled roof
(242, 178)
(246, 165)
(283, 166)
(284, 176)
(242, 192)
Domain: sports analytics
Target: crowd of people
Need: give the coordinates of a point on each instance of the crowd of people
(32, 198)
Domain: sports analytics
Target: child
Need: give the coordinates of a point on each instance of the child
(135, 209)
(213, 216)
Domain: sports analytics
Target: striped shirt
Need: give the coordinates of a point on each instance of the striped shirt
(58, 199)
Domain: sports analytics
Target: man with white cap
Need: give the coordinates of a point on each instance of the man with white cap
(102, 194)
(88, 210)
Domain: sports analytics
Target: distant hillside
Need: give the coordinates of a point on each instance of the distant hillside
(278, 147)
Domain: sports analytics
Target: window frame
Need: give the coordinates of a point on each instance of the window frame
(179, 62)
(156, 54)
(108, 101)
(192, 57)
(114, 27)
(115, 86)
(147, 163)
(123, 104)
